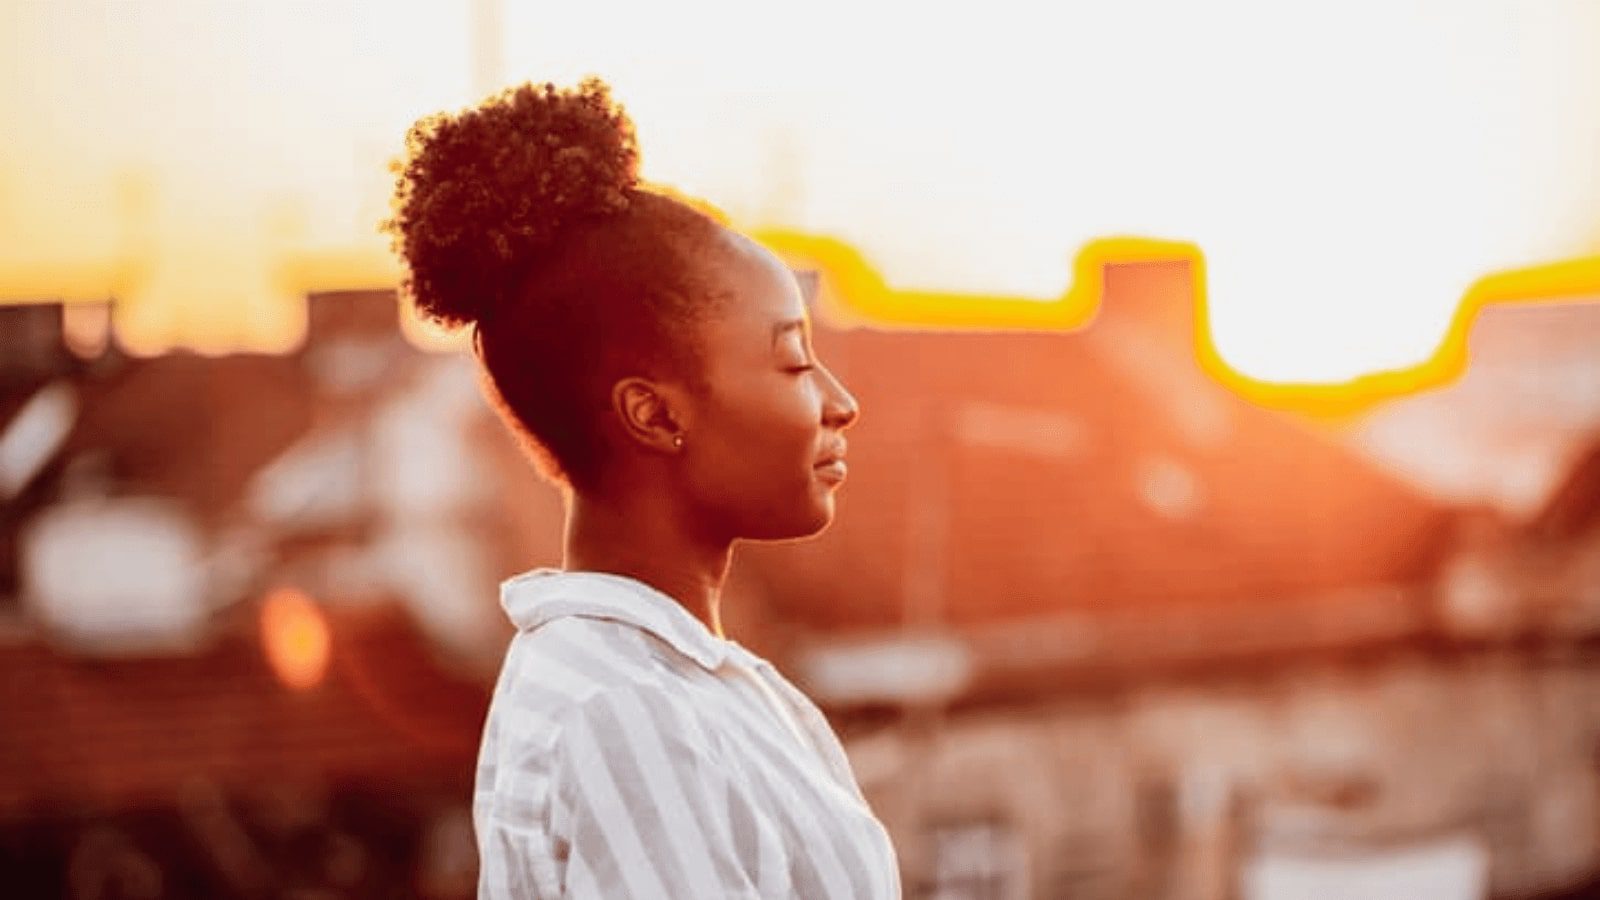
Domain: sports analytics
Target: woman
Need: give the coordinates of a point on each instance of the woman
(657, 367)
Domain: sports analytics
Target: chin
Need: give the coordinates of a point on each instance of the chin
(806, 522)
(819, 524)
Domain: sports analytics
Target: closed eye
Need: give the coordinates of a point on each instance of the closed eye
(798, 369)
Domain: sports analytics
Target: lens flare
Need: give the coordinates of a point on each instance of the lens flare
(295, 637)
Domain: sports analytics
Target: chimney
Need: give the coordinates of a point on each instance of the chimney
(352, 315)
(1156, 300)
(32, 342)
(353, 339)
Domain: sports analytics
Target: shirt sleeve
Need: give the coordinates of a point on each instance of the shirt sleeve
(645, 808)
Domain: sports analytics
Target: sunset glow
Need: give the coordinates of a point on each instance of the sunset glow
(1354, 177)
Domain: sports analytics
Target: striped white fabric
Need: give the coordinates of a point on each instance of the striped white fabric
(631, 753)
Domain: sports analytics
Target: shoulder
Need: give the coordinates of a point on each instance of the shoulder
(571, 659)
(587, 670)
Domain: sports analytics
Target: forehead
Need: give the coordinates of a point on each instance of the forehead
(764, 294)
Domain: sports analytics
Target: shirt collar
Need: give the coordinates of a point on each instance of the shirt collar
(542, 594)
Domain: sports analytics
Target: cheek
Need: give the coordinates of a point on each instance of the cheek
(754, 475)
(766, 435)
(774, 437)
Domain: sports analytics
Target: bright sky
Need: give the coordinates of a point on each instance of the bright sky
(1347, 171)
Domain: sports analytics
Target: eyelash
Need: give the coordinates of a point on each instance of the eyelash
(798, 369)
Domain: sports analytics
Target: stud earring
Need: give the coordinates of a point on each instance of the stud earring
(677, 440)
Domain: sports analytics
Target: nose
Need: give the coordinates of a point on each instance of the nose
(840, 409)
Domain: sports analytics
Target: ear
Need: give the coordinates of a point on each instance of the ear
(650, 412)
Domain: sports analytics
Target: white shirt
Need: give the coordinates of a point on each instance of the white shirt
(630, 752)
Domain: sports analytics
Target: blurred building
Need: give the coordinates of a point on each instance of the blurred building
(354, 469)
(173, 733)
(1507, 430)
(1000, 477)
(1096, 627)
(38, 403)
(1091, 624)
(202, 774)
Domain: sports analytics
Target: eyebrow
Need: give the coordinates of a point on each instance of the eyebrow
(790, 325)
(809, 280)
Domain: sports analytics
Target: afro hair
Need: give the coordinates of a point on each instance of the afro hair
(483, 193)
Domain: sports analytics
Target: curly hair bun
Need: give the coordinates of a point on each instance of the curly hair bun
(482, 193)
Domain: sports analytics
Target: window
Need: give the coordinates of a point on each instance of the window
(976, 860)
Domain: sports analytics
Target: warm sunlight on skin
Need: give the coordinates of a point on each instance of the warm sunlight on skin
(294, 634)
(1357, 176)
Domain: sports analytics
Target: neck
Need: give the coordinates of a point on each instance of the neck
(646, 540)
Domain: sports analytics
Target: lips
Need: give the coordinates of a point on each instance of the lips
(834, 470)
(830, 467)
(835, 454)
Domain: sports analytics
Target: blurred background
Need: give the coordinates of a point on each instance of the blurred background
(1223, 521)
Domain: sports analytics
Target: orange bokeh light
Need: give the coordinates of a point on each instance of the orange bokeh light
(295, 637)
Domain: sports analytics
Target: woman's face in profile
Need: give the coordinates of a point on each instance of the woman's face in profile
(772, 411)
